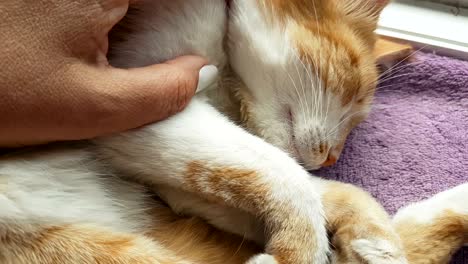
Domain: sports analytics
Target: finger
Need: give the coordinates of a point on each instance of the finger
(206, 75)
(135, 97)
(112, 12)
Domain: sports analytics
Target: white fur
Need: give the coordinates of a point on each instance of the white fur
(64, 186)
(163, 30)
(262, 259)
(378, 251)
(69, 187)
(424, 212)
(259, 55)
(226, 218)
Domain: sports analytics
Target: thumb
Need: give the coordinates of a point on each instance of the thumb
(144, 95)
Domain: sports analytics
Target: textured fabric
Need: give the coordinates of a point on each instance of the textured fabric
(415, 142)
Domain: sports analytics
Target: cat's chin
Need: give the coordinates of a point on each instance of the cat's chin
(296, 154)
(293, 152)
(311, 167)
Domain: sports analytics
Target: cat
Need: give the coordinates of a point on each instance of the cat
(291, 89)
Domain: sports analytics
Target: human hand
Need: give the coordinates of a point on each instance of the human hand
(56, 83)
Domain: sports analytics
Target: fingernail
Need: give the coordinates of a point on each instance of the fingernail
(206, 77)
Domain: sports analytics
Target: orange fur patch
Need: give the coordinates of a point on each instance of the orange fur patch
(336, 62)
(305, 11)
(77, 244)
(435, 242)
(196, 241)
(288, 234)
(337, 45)
(173, 240)
(346, 204)
(240, 185)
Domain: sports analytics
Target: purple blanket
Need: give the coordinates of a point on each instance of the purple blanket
(415, 142)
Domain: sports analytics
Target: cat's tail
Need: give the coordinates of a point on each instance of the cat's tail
(434, 229)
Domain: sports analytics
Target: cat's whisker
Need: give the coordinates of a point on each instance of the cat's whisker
(321, 101)
(320, 54)
(313, 95)
(379, 88)
(311, 81)
(305, 114)
(378, 108)
(390, 73)
(299, 74)
(385, 78)
(328, 105)
(397, 72)
(400, 68)
(297, 91)
(335, 129)
(314, 82)
(394, 77)
(303, 88)
(404, 59)
(389, 85)
(239, 247)
(316, 99)
(314, 88)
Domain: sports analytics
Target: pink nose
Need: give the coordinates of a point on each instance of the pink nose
(331, 160)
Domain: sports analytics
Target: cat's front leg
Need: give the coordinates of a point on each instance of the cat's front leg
(359, 227)
(201, 152)
(361, 230)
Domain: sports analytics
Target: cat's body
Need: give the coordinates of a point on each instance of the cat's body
(83, 204)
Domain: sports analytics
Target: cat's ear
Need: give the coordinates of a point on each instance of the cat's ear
(364, 14)
(367, 8)
(388, 52)
(379, 4)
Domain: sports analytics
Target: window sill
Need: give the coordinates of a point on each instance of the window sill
(430, 26)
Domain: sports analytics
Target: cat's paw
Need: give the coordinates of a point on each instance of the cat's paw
(361, 231)
(297, 233)
(300, 243)
(377, 251)
(262, 259)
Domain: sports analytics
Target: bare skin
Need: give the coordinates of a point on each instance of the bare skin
(55, 81)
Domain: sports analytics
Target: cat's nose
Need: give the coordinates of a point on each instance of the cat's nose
(331, 160)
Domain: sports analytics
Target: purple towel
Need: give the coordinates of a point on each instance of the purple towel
(415, 142)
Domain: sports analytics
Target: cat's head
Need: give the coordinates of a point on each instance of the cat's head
(309, 71)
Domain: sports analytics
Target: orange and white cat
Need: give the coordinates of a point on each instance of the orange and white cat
(295, 77)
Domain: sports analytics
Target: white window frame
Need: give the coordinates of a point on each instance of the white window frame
(459, 3)
(428, 25)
